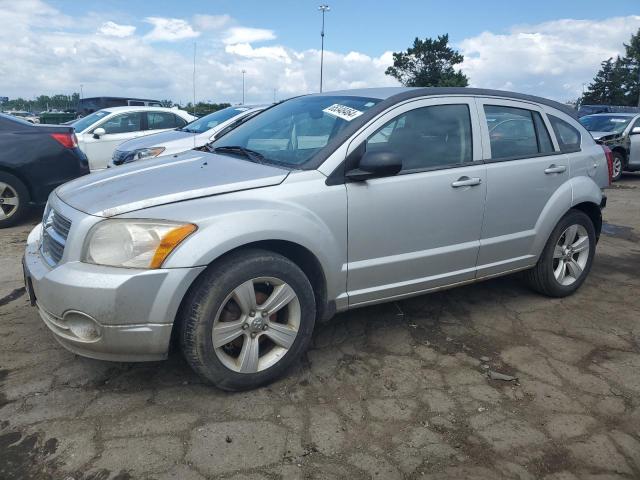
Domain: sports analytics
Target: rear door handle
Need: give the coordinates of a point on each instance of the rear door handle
(555, 169)
(466, 182)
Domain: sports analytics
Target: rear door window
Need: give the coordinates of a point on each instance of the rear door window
(516, 133)
(160, 120)
(568, 136)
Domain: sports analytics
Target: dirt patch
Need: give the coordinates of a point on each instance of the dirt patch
(620, 231)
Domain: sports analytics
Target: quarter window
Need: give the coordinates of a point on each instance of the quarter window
(428, 137)
(125, 123)
(568, 136)
(516, 133)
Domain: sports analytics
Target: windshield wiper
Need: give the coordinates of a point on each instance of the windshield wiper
(252, 155)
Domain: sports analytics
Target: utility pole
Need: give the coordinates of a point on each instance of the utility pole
(243, 72)
(323, 8)
(194, 79)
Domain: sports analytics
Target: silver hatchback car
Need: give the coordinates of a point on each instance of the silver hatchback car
(320, 204)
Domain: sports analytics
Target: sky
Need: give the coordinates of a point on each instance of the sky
(146, 48)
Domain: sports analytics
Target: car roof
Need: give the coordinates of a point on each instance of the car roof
(137, 108)
(399, 94)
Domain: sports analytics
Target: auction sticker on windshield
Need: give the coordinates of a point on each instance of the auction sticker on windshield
(343, 112)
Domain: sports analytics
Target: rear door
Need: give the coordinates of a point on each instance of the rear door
(524, 169)
(420, 229)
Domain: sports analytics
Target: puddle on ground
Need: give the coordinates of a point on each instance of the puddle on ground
(620, 231)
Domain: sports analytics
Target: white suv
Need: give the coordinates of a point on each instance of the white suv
(102, 131)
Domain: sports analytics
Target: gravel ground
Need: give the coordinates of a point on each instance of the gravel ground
(393, 391)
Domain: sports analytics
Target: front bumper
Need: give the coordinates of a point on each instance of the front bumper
(107, 313)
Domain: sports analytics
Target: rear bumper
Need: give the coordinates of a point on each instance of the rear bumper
(106, 313)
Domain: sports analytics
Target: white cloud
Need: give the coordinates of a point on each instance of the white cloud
(115, 30)
(551, 59)
(45, 51)
(277, 53)
(248, 35)
(211, 22)
(169, 29)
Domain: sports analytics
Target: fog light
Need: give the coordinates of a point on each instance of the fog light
(82, 326)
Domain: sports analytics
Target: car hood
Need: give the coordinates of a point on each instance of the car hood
(165, 180)
(162, 139)
(599, 135)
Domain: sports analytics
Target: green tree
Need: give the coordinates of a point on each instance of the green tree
(428, 63)
(618, 81)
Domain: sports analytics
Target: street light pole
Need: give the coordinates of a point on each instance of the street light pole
(323, 8)
(243, 72)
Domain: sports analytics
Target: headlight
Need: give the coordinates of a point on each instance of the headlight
(134, 243)
(148, 153)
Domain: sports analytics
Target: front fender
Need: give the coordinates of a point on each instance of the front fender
(311, 216)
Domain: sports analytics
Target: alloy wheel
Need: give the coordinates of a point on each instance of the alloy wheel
(256, 325)
(9, 201)
(571, 254)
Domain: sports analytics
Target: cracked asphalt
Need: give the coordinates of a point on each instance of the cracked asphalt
(393, 391)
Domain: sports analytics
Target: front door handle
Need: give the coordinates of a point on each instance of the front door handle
(555, 169)
(466, 182)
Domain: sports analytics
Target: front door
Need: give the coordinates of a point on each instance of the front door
(524, 169)
(118, 129)
(420, 229)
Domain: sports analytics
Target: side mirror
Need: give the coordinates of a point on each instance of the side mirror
(98, 132)
(635, 131)
(375, 165)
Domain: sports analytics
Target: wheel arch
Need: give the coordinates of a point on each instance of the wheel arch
(25, 182)
(298, 254)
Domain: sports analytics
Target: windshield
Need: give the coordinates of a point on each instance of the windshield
(605, 123)
(82, 124)
(292, 132)
(212, 120)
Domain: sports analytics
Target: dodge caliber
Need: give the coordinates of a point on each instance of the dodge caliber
(320, 204)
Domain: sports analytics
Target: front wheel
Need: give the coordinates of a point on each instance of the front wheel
(618, 166)
(247, 319)
(566, 259)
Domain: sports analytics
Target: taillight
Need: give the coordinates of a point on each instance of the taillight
(67, 140)
(609, 154)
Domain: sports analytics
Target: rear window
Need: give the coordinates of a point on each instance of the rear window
(516, 133)
(568, 136)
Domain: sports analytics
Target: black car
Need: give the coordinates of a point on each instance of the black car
(34, 159)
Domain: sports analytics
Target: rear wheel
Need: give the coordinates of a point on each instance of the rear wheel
(566, 259)
(13, 200)
(247, 319)
(618, 166)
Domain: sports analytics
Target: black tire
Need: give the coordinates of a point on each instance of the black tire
(206, 298)
(21, 193)
(541, 277)
(618, 158)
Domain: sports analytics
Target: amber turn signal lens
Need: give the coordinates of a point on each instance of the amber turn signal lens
(169, 242)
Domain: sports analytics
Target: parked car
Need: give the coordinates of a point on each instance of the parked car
(34, 160)
(593, 109)
(101, 132)
(193, 135)
(320, 204)
(621, 133)
(28, 116)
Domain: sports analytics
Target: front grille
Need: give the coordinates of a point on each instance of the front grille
(55, 229)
